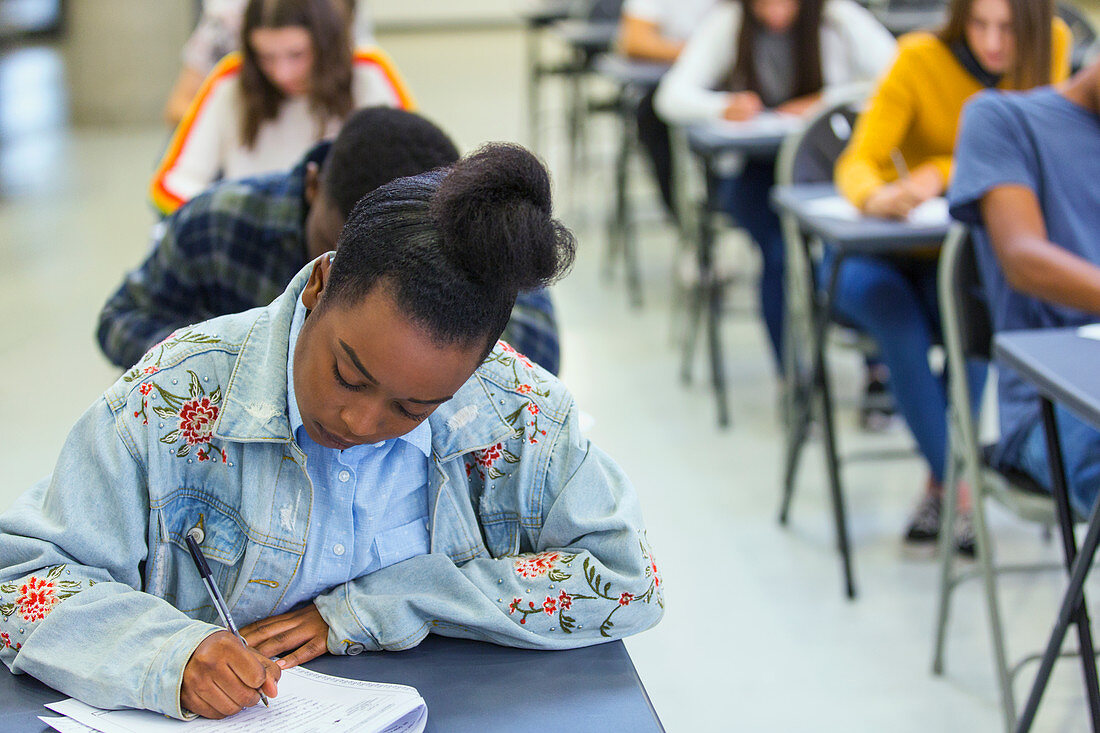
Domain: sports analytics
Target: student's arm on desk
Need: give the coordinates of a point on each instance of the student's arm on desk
(687, 93)
(159, 296)
(591, 578)
(73, 549)
(640, 38)
(1033, 264)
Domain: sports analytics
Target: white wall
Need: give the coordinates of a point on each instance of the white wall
(405, 12)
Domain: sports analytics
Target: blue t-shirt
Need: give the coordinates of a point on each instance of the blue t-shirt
(1040, 140)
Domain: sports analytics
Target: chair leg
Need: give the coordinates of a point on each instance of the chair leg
(946, 544)
(989, 585)
(832, 462)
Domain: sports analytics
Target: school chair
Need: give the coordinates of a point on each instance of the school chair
(967, 335)
(809, 157)
(1083, 32)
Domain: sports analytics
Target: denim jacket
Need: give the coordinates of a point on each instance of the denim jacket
(537, 538)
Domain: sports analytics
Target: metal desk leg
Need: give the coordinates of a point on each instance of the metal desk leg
(1073, 609)
(711, 297)
(534, 82)
(821, 382)
(620, 234)
(800, 393)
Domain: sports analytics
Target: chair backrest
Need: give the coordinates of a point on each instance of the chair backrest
(1080, 26)
(809, 156)
(960, 279)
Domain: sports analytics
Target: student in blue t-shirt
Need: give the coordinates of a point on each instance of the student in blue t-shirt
(1027, 166)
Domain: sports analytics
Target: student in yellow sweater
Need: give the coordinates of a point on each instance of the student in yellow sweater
(900, 155)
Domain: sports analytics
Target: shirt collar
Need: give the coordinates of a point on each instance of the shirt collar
(419, 437)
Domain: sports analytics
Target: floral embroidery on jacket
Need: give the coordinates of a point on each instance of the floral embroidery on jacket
(490, 460)
(193, 414)
(37, 596)
(150, 362)
(5, 642)
(596, 590)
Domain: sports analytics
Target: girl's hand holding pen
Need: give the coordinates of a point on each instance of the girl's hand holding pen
(303, 633)
(223, 677)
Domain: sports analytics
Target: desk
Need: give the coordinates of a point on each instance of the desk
(867, 237)
(586, 39)
(634, 79)
(537, 16)
(900, 21)
(469, 686)
(710, 142)
(1062, 366)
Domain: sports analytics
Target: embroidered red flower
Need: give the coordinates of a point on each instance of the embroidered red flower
(532, 408)
(653, 570)
(625, 599)
(150, 370)
(565, 601)
(202, 455)
(36, 599)
(550, 606)
(197, 420)
(514, 605)
(507, 348)
(225, 456)
(145, 388)
(5, 640)
(524, 389)
(534, 566)
(490, 455)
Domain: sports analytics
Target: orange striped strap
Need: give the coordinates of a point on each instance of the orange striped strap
(163, 199)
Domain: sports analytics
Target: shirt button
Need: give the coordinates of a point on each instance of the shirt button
(355, 648)
(338, 549)
(344, 476)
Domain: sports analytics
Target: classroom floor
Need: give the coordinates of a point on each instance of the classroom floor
(757, 635)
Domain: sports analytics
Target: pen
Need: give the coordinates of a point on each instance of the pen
(899, 163)
(212, 589)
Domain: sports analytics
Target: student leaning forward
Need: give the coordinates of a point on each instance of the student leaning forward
(510, 526)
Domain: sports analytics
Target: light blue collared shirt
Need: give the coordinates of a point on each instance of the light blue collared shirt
(370, 502)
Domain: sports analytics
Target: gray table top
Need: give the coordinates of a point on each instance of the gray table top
(708, 139)
(629, 71)
(469, 686)
(1063, 366)
(874, 236)
(907, 20)
(540, 13)
(593, 37)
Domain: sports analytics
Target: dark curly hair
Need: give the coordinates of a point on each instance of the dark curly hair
(377, 145)
(455, 246)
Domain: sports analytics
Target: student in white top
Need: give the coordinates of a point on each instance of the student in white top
(217, 33)
(294, 82)
(656, 30)
(751, 55)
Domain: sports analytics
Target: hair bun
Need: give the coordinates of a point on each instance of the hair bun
(493, 210)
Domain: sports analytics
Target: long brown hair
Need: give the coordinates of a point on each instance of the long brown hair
(807, 49)
(1031, 24)
(330, 80)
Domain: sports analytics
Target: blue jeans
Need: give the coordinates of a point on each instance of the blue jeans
(1080, 445)
(746, 198)
(895, 302)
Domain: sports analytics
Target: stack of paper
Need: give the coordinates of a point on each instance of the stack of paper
(933, 212)
(307, 701)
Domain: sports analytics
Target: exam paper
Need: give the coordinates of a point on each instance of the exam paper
(932, 212)
(65, 725)
(1091, 331)
(765, 123)
(307, 701)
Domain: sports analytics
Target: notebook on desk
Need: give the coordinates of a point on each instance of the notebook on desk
(307, 701)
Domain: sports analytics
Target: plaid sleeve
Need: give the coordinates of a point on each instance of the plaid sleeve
(533, 330)
(155, 299)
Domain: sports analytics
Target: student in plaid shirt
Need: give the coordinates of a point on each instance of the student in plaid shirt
(238, 245)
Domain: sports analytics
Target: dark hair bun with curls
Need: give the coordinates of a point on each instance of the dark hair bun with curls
(493, 213)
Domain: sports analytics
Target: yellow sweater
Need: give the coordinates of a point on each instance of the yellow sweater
(916, 111)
